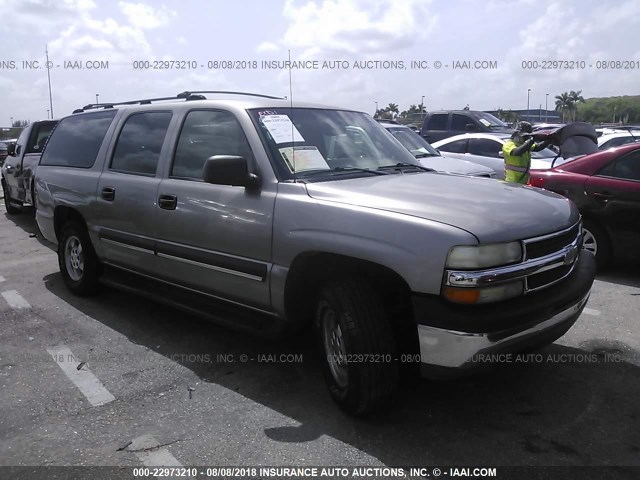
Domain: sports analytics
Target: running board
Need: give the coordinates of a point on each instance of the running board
(201, 305)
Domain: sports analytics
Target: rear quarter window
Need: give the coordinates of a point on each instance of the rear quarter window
(76, 140)
(438, 121)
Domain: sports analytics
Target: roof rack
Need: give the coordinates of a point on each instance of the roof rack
(187, 96)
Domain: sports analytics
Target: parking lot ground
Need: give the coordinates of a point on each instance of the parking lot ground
(117, 380)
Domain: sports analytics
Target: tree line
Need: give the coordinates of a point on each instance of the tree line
(571, 106)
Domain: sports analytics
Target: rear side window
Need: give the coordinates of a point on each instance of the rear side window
(438, 121)
(76, 140)
(625, 168)
(140, 142)
(459, 146)
(206, 133)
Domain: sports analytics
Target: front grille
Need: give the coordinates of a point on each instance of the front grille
(545, 278)
(547, 246)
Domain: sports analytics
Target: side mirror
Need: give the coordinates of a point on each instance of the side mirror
(229, 170)
(11, 149)
(501, 154)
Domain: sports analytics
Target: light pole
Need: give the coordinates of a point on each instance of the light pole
(528, 92)
(546, 107)
(376, 114)
(97, 95)
(47, 114)
(11, 124)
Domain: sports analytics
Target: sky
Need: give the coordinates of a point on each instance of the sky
(500, 47)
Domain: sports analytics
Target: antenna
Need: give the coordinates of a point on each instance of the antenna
(293, 148)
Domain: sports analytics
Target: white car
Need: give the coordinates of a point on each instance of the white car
(610, 140)
(486, 149)
(429, 157)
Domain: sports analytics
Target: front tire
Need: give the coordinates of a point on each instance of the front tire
(11, 210)
(596, 241)
(77, 259)
(358, 346)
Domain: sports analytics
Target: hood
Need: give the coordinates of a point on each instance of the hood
(492, 210)
(453, 165)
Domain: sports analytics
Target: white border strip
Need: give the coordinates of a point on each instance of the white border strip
(86, 381)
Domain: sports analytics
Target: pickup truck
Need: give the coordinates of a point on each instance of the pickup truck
(447, 123)
(18, 170)
(269, 216)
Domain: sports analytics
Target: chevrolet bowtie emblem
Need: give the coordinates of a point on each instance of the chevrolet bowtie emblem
(570, 254)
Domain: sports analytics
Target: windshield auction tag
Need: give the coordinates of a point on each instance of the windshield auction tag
(303, 158)
(281, 128)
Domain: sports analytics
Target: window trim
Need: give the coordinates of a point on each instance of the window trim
(115, 144)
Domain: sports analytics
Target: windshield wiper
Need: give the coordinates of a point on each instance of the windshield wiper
(402, 165)
(424, 155)
(343, 169)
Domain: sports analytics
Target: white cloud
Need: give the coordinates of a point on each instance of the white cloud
(145, 16)
(267, 47)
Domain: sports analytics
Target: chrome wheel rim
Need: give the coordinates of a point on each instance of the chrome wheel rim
(334, 348)
(74, 258)
(589, 242)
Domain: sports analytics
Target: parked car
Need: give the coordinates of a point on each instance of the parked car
(606, 188)
(4, 146)
(18, 171)
(266, 215)
(544, 126)
(611, 140)
(486, 149)
(448, 123)
(431, 158)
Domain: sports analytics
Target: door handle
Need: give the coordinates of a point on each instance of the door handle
(167, 202)
(602, 195)
(108, 193)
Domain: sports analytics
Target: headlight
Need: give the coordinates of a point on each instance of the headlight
(483, 256)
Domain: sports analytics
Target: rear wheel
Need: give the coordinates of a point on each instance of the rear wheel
(596, 241)
(11, 210)
(77, 259)
(357, 345)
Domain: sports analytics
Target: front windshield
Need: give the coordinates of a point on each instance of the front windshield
(305, 140)
(413, 142)
(489, 120)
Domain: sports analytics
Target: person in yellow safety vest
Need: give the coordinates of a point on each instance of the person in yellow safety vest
(517, 153)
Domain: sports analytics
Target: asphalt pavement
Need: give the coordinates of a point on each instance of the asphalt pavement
(118, 380)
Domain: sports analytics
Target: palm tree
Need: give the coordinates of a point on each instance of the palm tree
(563, 102)
(575, 98)
(392, 108)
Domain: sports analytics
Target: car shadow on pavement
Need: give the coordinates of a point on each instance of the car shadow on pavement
(28, 224)
(561, 406)
(624, 271)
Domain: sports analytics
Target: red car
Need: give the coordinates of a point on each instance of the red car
(606, 188)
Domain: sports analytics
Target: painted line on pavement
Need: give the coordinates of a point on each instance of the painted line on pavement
(15, 300)
(150, 454)
(591, 311)
(86, 381)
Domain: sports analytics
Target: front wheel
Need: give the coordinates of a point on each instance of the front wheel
(11, 210)
(77, 260)
(357, 344)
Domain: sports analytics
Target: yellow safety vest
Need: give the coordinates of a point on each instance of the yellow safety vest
(516, 168)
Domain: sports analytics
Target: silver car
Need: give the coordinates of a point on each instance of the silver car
(432, 158)
(486, 149)
(264, 215)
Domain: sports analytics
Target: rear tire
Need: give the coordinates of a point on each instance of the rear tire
(11, 210)
(596, 241)
(357, 344)
(77, 259)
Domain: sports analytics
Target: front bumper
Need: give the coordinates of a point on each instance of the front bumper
(453, 337)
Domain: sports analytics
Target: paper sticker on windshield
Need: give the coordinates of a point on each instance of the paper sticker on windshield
(485, 122)
(299, 159)
(281, 129)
